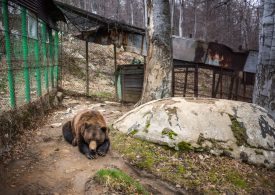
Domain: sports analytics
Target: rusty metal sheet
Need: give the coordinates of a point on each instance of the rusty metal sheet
(251, 62)
(223, 56)
(218, 55)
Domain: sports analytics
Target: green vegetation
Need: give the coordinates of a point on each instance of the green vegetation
(102, 95)
(184, 146)
(169, 132)
(236, 179)
(238, 130)
(181, 169)
(116, 180)
(147, 124)
(149, 116)
(133, 132)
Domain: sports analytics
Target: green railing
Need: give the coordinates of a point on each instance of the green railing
(28, 56)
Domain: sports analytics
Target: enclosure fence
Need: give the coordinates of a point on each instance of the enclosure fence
(29, 56)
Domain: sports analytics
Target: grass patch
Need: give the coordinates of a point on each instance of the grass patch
(133, 132)
(181, 169)
(102, 95)
(236, 179)
(119, 181)
(238, 130)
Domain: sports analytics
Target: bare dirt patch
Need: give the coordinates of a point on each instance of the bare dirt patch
(41, 162)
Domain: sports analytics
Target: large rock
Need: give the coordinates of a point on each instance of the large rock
(241, 130)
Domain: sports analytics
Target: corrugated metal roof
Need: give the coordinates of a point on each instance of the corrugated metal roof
(46, 10)
(85, 20)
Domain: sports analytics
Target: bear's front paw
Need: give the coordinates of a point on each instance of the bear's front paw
(91, 155)
(101, 152)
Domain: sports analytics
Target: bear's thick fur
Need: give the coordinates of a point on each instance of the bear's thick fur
(88, 126)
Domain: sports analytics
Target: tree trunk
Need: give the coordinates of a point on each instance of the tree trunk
(158, 72)
(181, 17)
(195, 19)
(145, 13)
(264, 89)
(172, 6)
(132, 13)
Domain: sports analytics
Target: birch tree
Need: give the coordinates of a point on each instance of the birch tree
(172, 8)
(158, 72)
(181, 2)
(264, 89)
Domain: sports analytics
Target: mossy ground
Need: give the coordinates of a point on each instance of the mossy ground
(102, 95)
(118, 181)
(194, 171)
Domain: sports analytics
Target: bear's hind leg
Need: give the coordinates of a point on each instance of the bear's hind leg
(67, 132)
(103, 149)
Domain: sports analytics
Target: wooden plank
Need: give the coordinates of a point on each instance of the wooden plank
(231, 86)
(196, 81)
(217, 86)
(213, 84)
(244, 84)
(237, 86)
(185, 81)
(221, 83)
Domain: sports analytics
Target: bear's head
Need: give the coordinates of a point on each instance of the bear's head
(92, 132)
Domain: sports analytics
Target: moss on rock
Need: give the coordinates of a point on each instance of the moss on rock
(238, 130)
(169, 132)
(184, 146)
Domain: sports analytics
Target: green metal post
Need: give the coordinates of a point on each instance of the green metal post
(25, 53)
(44, 50)
(38, 66)
(8, 52)
(56, 56)
(51, 58)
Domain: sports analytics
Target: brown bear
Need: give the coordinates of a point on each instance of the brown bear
(89, 132)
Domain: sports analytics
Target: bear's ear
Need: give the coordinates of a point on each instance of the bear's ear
(104, 129)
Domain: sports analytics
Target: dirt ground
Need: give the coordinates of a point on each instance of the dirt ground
(46, 164)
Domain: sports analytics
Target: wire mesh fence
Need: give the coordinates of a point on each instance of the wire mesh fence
(28, 56)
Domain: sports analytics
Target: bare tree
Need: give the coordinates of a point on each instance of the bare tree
(158, 72)
(172, 6)
(181, 17)
(264, 89)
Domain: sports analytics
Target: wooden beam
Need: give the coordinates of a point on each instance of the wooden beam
(185, 81)
(231, 85)
(115, 62)
(213, 84)
(116, 76)
(87, 69)
(196, 81)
